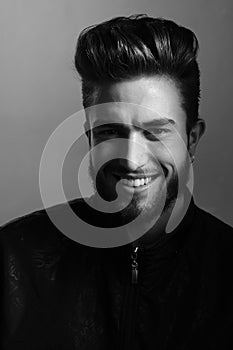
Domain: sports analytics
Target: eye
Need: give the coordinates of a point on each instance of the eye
(155, 134)
(109, 132)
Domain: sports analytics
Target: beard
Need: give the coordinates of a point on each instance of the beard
(159, 204)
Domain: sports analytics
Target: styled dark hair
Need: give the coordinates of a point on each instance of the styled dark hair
(127, 47)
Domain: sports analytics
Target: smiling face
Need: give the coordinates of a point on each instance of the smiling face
(140, 131)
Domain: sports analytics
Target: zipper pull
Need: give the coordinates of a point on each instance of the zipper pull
(134, 265)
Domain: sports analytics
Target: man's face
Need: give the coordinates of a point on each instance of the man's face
(148, 116)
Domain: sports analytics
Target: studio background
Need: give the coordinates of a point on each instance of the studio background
(39, 88)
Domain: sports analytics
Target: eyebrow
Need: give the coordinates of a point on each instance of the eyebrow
(153, 123)
(159, 122)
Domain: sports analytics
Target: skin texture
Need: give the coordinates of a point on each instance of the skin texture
(153, 150)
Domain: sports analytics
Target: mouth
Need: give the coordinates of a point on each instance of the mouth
(134, 181)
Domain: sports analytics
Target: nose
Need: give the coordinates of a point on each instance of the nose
(136, 154)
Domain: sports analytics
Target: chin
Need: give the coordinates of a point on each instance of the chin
(131, 211)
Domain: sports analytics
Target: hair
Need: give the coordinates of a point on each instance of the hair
(125, 48)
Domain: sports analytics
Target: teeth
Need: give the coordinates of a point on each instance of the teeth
(136, 182)
(127, 182)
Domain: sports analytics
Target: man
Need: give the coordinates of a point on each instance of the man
(168, 286)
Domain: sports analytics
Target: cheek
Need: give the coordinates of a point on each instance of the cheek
(171, 155)
(179, 153)
(101, 153)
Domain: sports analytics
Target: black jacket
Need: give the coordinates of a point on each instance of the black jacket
(58, 294)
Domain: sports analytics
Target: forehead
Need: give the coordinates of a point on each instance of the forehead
(141, 100)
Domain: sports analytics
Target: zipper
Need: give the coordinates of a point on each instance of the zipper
(130, 303)
(134, 265)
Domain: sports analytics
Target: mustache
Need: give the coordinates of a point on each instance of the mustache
(121, 168)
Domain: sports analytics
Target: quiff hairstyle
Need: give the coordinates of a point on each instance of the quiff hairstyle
(125, 48)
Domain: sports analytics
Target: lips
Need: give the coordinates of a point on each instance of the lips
(135, 181)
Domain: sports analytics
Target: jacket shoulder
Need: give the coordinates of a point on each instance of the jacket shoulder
(36, 228)
(216, 239)
(214, 225)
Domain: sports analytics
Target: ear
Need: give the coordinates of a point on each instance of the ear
(195, 134)
(87, 131)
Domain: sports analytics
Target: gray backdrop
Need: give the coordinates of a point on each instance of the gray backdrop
(39, 89)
